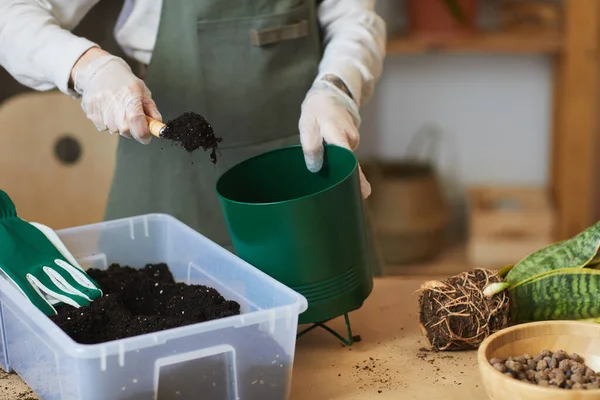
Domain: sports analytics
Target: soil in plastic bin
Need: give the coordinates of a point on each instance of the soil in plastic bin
(147, 300)
(191, 131)
(139, 301)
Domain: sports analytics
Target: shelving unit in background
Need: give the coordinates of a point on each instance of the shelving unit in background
(493, 43)
(575, 157)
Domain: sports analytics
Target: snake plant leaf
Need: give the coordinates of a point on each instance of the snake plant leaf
(505, 270)
(572, 253)
(594, 262)
(495, 288)
(594, 320)
(565, 294)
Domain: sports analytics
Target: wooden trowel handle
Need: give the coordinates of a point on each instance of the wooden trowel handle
(155, 126)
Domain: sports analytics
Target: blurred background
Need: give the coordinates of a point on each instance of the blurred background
(479, 143)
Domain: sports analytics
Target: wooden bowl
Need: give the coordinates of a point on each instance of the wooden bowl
(582, 338)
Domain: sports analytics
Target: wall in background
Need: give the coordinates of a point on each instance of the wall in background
(494, 112)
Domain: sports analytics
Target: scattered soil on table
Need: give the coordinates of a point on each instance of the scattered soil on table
(373, 374)
(191, 131)
(13, 388)
(454, 314)
(139, 301)
(433, 371)
(554, 370)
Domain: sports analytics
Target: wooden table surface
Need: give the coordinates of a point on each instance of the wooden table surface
(388, 362)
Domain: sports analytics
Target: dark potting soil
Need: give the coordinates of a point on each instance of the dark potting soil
(148, 300)
(139, 301)
(191, 131)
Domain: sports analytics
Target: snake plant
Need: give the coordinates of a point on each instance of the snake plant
(559, 281)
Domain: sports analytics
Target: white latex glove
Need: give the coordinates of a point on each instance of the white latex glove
(114, 98)
(329, 115)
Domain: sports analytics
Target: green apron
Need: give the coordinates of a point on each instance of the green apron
(245, 65)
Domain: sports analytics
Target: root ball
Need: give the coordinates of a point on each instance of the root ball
(454, 314)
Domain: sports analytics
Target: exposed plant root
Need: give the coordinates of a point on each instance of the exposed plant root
(456, 315)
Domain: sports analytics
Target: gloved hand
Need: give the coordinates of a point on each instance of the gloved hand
(330, 115)
(38, 264)
(114, 98)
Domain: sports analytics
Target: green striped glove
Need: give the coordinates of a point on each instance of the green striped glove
(36, 261)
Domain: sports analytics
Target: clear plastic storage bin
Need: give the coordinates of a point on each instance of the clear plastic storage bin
(246, 357)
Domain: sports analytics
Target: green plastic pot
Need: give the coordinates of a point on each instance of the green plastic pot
(304, 229)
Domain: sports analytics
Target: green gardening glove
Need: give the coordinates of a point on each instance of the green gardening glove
(36, 261)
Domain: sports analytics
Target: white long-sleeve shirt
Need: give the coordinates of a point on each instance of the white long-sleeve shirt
(38, 49)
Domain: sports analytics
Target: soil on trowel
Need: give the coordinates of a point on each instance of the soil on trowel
(191, 131)
(139, 301)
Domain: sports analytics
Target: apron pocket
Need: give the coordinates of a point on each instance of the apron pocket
(255, 73)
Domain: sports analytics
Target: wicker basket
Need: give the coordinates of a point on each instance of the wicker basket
(410, 213)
